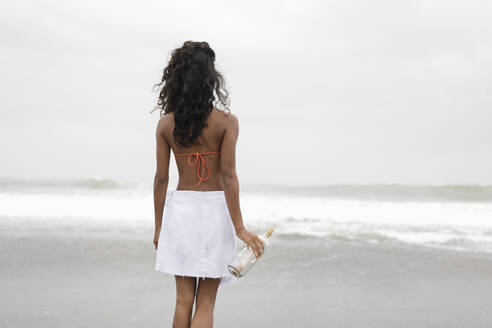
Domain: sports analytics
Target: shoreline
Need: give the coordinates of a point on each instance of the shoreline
(82, 277)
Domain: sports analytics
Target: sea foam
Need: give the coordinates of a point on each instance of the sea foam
(455, 218)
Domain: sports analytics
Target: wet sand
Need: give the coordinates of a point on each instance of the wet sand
(59, 274)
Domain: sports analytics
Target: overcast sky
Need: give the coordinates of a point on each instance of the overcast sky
(325, 91)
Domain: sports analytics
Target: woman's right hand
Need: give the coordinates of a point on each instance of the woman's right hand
(253, 241)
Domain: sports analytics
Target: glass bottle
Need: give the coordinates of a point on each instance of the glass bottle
(246, 258)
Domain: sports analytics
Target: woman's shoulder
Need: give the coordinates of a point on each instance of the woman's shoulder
(226, 117)
(166, 121)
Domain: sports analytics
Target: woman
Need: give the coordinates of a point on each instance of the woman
(195, 230)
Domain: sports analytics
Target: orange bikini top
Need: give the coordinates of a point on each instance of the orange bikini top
(197, 159)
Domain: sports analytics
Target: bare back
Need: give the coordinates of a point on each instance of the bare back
(210, 140)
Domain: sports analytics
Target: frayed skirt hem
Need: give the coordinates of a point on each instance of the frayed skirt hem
(226, 281)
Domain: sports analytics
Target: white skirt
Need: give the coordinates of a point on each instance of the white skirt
(197, 237)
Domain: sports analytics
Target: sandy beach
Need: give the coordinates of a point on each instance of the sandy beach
(360, 131)
(70, 275)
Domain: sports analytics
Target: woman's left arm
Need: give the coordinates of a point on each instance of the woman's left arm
(161, 178)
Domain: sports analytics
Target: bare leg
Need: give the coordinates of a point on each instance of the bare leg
(205, 302)
(185, 296)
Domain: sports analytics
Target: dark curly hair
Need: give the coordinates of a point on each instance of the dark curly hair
(187, 89)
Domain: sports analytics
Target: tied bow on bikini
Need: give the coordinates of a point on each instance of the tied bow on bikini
(202, 169)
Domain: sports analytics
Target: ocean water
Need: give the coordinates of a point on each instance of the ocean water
(457, 217)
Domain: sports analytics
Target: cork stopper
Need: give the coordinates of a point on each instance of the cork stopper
(269, 232)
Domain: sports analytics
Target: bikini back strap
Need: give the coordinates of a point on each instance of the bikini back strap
(202, 168)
